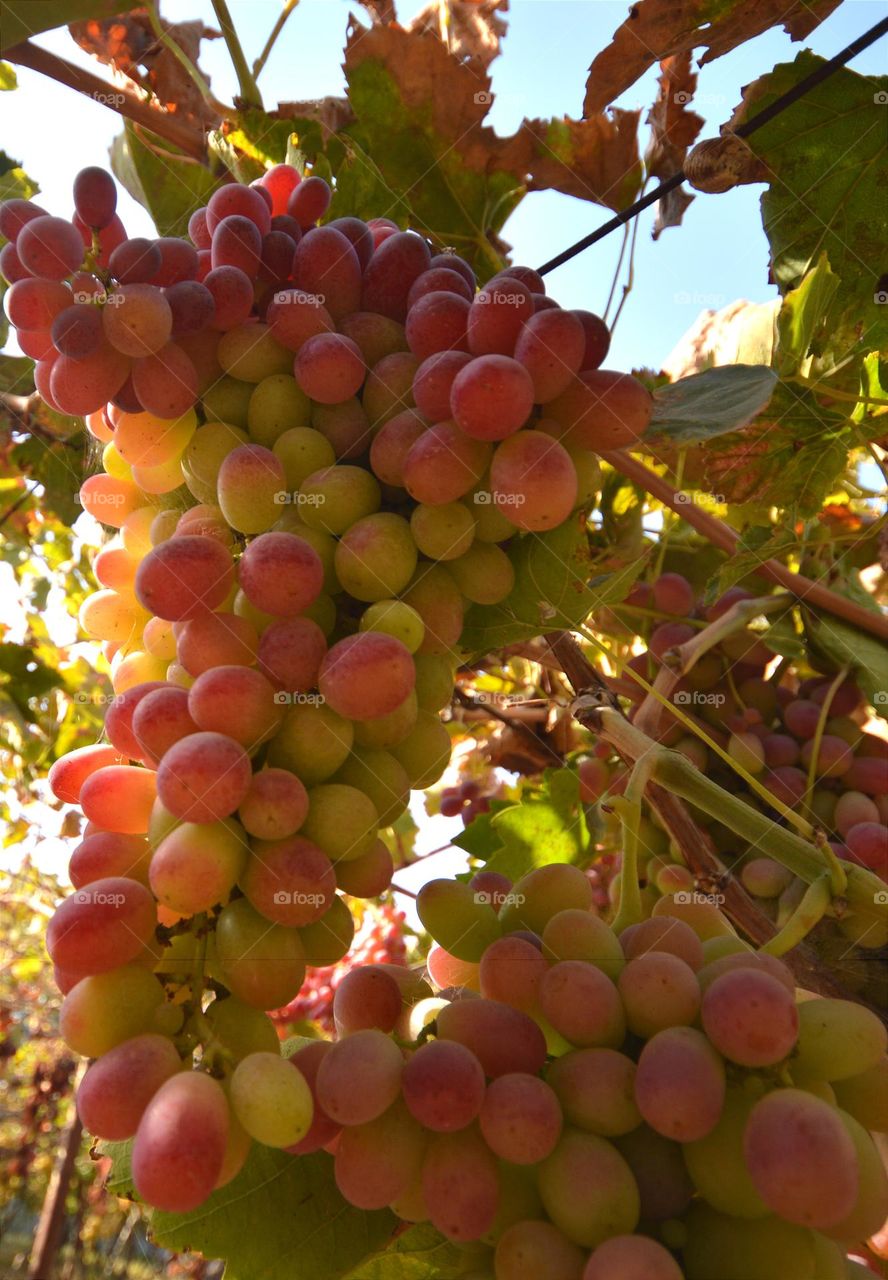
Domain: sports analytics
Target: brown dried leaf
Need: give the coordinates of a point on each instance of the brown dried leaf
(657, 29)
(673, 129)
(595, 159)
(128, 44)
(332, 114)
(471, 29)
(381, 10)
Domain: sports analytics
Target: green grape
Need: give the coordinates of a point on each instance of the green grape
(250, 486)
(313, 742)
(228, 400)
(278, 405)
(538, 1249)
(717, 1166)
(379, 1161)
(301, 449)
(490, 523)
(871, 1203)
(105, 1009)
(376, 557)
(437, 599)
(341, 820)
(204, 455)
(425, 751)
(484, 573)
(596, 1090)
(434, 681)
(837, 1039)
(865, 1096)
(574, 933)
(456, 919)
(443, 532)
(381, 777)
(588, 1190)
(271, 1100)
(766, 1248)
(252, 353)
(329, 939)
(240, 1029)
(334, 498)
(542, 893)
(261, 963)
(395, 618)
(388, 731)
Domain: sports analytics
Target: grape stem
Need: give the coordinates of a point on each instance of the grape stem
(276, 30)
(249, 90)
(810, 911)
(628, 806)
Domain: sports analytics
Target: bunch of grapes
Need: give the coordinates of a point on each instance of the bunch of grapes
(319, 444)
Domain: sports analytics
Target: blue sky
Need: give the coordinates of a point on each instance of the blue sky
(718, 255)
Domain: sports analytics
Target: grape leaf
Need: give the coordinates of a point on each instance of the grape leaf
(711, 403)
(479, 839)
(844, 644)
(421, 1253)
(803, 314)
(656, 29)
(826, 154)
(20, 19)
(168, 185)
(545, 827)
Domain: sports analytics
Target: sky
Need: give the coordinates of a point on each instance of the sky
(717, 256)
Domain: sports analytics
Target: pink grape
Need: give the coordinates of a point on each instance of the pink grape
(204, 777)
(280, 574)
(550, 347)
(326, 264)
(444, 464)
(582, 1004)
(184, 576)
(602, 410)
(377, 1162)
(359, 236)
(497, 315)
(533, 481)
(275, 806)
(191, 306)
(750, 1017)
(216, 639)
(460, 1185)
(160, 719)
(289, 881)
(119, 798)
(296, 316)
(511, 971)
(34, 304)
(68, 774)
(109, 853)
(178, 261)
(392, 443)
(290, 654)
(198, 230)
(631, 1258)
(280, 181)
(520, 1118)
(232, 294)
(137, 319)
(868, 774)
(309, 201)
(672, 593)
(136, 261)
(491, 397)
(82, 386)
(868, 844)
(368, 1056)
(307, 1061)
(443, 1086)
(366, 676)
(235, 700)
(329, 368)
(680, 1084)
(433, 382)
(390, 274)
(276, 263)
(14, 214)
(452, 262)
(237, 242)
(658, 990)
(166, 382)
(437, 322)
(503, 1039)
(180, 1143)
(234, 199)
(114, 1093)
(853, 807)
(103, 926)
(49, 247)
(77, 331)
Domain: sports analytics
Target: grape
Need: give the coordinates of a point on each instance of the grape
(14, 214)
(597, 339)
(81, 386)
(360, 1077)
(663, 933)
(389, 387)
(271, 1100)
(119, 798)
(327, 265)
(852, 808)
(144, 440)
(659, 1171)
(744, 959)
(680, 1084)
(672, 593)
(766, 1248)
(434, 680)
(342, 820)
(137, 319)
(801, 1159)
(34, 304)
(302, 450)
(278, 406)
(394, 618)
(434, 595)
(250, 482)
(234, 200)
(868, 1215)
(439, 280)
(602, 410)
(375, 335)
(717, 1164)
(631, 1258)
(834, 757)
(765, 878)
(204, 777)
(309, 201)
(533, 481)
(368, 876)
(368, 996)
(868, 844)
(197, 865)
(390, 273)
(334, 498)
(384, 780)
(68, 774)
(262, 964)
(237, 242)
(344, 426)
(588, 1190)
(456, 918)
(511, 971)
(446, 971)
(180, 1144)
(452, 262)
(366, 675)
(329, 368)
(497, 316)
(203, 457)
(280, 574)
(307, 1061)
(103, 1010)
(77, 331)
(251, 353)
(49, 247)
(183, 576)
(582, 1004)
(542, 893)
(574, 933)
(595, 1088)
(837, 1039)
(520, 1118)
(289, 881)
(290, 654)
(460, 1185)
(160, 719)
(538, 1249)
(109, 853)
(433, 383)
(437, 322)
(443, 464)
(296, 317)
(484, 573)
(658, 991)
(216, 639)
(391, 445)
(550, 347)
(313, 741)
(115, 1091)
(241, 1029)
(868, 774)
(232, 294)
(376, 1162)
(376, 557)
(750, 1018)
(424, 751)
(503, 1039)
(275, 805)
(329, 939)
(865, 1096)
(443, 1086)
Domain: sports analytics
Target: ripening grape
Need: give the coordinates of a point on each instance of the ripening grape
(103, 1010)
(837, 1039)
(289, 881)
(108, 923)
(183, 576)
(77, 331)
(483, 573)
(262, 964)
(391, 272)
(680, 1084)
(433, 383)
(159, 719)
(574, 933)
(865, 1096)
(631, 1258)
(460, 1184)
(767, 1248)
(384, 780)
(588, 1190)
(520, 1118)
(370, 1058)
(376, 1162)
(542, 893)
(457, 919)
(109, 853)
(582, 1004)
(491, 397)
(376, 557)
(801, 1159)
(497, 316)
(271, 1100)
(237, 242)
(434, 595)
(290, 654)
(503, 1039)
(366, 675)
(114, 1093)
(250, 482)
(68, 774)
(533, 481)
(595, 1088)
(49, 247)
(203, 457)
(750, 1017)
(717, 1164)
(394, 618)
(275, 805)
(511, 971)
(368, 876)
(443, 1086)
(329, 368)
(425, 750)
(180, 1144)
(217, 639)
(368, 996)
(306, 1061)
(444, 463)
(659, 1171)
(663, 933)
(550, 347)
(334, 498)
(314, 741)
(253, 354)
(602, 410)
(868, 1214)
(536, 1248)
(342, 820)
(241, 1029)
(658, 990)
(204, 777)
(329, 939)
(197, 865)
(234, 200)
(81, 386)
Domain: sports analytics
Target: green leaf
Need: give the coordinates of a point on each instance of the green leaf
(421, 1253)
(803, 314)
(16, 374)
(867, 656)
(479, 839)
(827, 195)
(58, 466)
(21, 19)
(545, 827)
(168, 185)
(711, 403)
(8, 78)
(15, 183)
(551, 590)
(761, 542)
(281, 1218)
